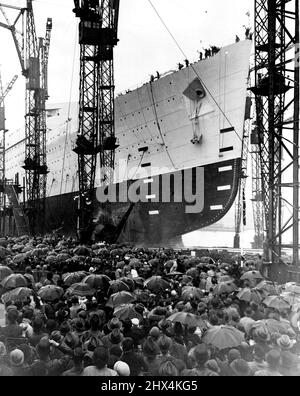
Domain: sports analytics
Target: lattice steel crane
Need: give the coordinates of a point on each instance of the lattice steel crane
(3, 94)
(33, 55)
(277, 99)
(98, 30)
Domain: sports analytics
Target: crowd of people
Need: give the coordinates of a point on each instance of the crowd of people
(73, 310)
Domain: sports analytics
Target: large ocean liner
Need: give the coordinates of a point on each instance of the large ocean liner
(181, 131)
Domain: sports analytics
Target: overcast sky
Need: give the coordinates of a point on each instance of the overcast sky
(145, 46)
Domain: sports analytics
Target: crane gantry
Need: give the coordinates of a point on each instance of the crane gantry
(98, 30)
(277, 109)
(33, 54)
(3, 94)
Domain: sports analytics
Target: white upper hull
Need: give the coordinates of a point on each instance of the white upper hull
(158, 116)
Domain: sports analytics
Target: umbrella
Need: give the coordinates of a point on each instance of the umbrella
(96, 261)
(3, 252)
(223, 337)
(50, 292)
(126, 311)
(249, 295)
(82, 251)
(156, 284)
(38, 253)
(277, 302)
(97, 281)
(274, 326)
(129, 282)
(267, 287)
(189, 292)
(207, 260)
(19, 258)
(122, 297)
(295, 320)
(193, 272)
(51, 259)
(117, 286)
(27, 248)
(13, 281)
(293, 288)
(17, 247)
(252, 275)
(225, 278)
(63, 256)
(73, 277)
(188, 319)
(139, 281)
(292, 298)
(4, 272)
(41, 246)
(141, 296)
(18, 294)
(225, 287)
(80, 289)
(186, 280)
(175, 273)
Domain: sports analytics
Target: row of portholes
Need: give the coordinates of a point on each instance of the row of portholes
(142, 127)
(148, 109)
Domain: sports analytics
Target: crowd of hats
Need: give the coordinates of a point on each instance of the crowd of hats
(118, 310)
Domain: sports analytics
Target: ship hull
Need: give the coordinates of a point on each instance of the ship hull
(154, 223)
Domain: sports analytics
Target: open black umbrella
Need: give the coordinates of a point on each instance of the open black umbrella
(80, 289)
(223, 337)
(156, 284)
(82, 251)
(125, 312)
(189, 292)
(13, 281)
(50, 293)
(18, 294)
(4, 272)
(252, 275)
(188, 319)
(117, 286)
(120, 298)
(73, 277)
(97, 281)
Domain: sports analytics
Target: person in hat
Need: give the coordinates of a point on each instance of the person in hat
(54, 366)
(5, 370)
(290, 364)
(135, 360)
(77, 362)
(99, 367)
(122, 369)
(258, 362)
(16, 359)
(273, 360)
(167, 369)
(212, 365)
(240, 368)
(285, 343)
(115, 354)
(12, 329)
(75, 307)
(165, 344)
(151, 351)
(38, 332)
(114, 338)
(137, 332)
(154, 333)
(201, 356)
(262, 338)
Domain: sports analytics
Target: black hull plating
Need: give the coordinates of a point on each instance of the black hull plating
(159, 230)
